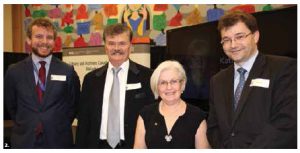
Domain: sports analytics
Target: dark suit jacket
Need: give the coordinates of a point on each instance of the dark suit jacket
(89, 121)
(56, 112)
(265, 117)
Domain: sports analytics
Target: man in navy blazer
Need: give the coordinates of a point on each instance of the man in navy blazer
(135, 93)
(260, 112)
(41, 121)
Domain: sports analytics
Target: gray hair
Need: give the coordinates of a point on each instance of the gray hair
(167, 65)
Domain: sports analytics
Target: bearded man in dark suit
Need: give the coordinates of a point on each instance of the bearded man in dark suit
(40, 93)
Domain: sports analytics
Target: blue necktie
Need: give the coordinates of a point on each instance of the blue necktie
(239, 88)
(113, 122)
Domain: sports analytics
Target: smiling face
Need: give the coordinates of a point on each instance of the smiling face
(170, 86)
(117, 48)
(42, 41)
(239, 50)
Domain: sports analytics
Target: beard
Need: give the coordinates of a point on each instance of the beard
(36, 52)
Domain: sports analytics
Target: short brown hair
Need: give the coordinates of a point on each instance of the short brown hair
(116, 29)
(233, 17)
(41, 22)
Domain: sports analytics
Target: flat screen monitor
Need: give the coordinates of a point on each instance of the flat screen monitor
(199, 50)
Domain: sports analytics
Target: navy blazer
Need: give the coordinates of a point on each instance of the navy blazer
(91, 100)
(265, 117)
(56, 112)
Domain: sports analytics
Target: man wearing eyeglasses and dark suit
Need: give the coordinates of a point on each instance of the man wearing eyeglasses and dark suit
(253, 103)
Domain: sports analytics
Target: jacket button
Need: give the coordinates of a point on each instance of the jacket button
(232, 134)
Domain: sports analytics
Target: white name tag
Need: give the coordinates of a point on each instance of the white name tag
(133, 86)
(58, 77)
(264, 83)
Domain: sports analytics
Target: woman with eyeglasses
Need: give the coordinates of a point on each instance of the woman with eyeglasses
(170, 123)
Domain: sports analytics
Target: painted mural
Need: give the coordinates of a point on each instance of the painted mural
(81, 25)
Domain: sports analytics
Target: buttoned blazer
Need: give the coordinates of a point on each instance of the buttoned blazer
(56, 112)
(266, 117)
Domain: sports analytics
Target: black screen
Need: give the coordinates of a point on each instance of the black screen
(199, 50)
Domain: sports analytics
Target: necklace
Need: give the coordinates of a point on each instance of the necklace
(168, 137)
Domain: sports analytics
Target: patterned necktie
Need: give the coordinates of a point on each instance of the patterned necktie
(239, 88)
(40, 87)
(113, 123)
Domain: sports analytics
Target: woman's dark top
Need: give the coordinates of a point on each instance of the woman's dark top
(182, 134)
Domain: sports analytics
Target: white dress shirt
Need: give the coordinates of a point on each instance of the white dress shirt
(247, 66)
(108, 84)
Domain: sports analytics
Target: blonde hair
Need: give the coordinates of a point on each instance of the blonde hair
(166, 65)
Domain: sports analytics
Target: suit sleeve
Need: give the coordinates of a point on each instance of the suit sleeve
(83, 118)
(213, 131)
(10, 99)
(281, 130)
(74, 93)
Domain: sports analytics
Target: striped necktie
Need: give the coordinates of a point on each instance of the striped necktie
(239, 88)
(40, 86)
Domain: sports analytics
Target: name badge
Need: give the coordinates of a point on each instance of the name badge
(133, 86)
(58, 77)
(264, 83)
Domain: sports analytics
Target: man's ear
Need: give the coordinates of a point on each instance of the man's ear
(256, 36)
(28, 40)
(130, 48)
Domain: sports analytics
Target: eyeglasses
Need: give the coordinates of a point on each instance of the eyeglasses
(237, 38)
(173, 83)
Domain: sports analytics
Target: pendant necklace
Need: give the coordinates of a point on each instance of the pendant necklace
(168, 137)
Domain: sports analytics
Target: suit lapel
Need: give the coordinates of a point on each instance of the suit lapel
(132, 76)
(228, 92)
(255, 72)
(30, 79)
(99, 81)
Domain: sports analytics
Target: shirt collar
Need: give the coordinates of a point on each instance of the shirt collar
(248, 64)
(124, 66)
(36, 59)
